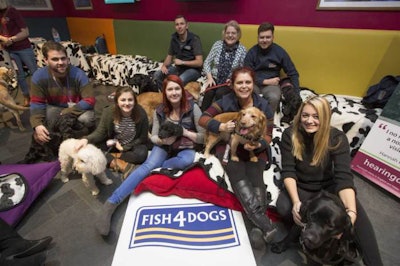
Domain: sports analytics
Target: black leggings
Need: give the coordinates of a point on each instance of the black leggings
(364, 233)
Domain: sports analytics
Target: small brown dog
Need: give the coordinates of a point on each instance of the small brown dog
(150, 100)
(6, 77)
(250, 128)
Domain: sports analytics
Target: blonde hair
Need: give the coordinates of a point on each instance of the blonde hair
(321, 137)
(234, 24)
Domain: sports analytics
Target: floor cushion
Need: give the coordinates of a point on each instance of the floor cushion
(20, 185)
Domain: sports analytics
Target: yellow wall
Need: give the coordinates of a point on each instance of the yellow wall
(340, 61)
(85, 31)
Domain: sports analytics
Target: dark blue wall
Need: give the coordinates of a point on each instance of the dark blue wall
(41, 27)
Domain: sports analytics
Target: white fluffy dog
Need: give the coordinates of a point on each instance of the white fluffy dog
(88, 161)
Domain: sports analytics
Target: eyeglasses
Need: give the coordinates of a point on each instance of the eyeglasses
(231, 33)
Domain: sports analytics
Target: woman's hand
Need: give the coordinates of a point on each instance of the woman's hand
(80, 144)
(168, 141)
(210, 82)
(353, 216)
(118, 146)
(227, 127)
(296, 213)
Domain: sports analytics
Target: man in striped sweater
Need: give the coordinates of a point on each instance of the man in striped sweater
(58, 89)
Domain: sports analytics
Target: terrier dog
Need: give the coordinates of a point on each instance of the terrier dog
(88, 161)
(250, 127)
(7, 76)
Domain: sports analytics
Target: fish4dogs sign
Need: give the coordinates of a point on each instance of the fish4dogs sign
(172, 231)
(378, 158)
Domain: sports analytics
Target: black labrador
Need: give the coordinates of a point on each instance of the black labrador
(327, 233)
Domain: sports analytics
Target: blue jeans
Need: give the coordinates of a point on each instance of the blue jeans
(190, 74)
(157, 158)
(27, 57)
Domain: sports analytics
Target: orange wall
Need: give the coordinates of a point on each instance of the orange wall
(78, 29)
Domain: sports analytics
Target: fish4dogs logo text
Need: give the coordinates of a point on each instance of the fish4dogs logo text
(188, 226)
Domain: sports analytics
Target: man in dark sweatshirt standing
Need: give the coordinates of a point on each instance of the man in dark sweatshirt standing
(267, 59)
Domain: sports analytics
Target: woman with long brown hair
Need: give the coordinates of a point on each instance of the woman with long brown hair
(123, 131)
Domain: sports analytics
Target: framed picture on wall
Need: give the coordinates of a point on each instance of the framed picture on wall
(31, 4)
(358, 4)
(83, 4)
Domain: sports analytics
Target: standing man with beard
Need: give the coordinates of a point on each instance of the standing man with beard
(267, 59)
(58, 89)
(185, 55)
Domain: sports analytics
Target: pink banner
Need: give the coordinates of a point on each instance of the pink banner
(378, 172)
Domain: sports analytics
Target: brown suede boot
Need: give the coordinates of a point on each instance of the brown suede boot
(113, 164)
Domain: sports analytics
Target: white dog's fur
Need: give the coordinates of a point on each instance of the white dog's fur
(88, 161)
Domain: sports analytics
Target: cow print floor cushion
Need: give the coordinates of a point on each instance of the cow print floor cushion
(20, 185)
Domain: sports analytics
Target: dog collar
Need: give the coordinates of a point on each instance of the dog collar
(247, 137)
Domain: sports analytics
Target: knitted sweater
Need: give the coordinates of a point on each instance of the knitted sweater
(45, 90)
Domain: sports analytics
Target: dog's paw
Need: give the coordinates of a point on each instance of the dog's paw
(95, 192)
(254, 159)
(107, 181)
(234, 158)
(279, 247)
(64, 179)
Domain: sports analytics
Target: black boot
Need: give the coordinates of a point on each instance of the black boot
(25, 248)
(256, 235)
(254, 209)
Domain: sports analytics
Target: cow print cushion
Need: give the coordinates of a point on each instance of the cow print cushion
(116, 70)
(13, 190)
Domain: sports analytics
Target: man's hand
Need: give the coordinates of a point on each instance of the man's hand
(179, 62)
(41, 134)
(272, 81)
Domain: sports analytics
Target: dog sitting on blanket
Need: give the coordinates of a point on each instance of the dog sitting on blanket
(88, 161)
(326, 236)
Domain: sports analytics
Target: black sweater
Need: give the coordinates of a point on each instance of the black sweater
(334, 174)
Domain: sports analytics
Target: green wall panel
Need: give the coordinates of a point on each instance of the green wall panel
(151, 38)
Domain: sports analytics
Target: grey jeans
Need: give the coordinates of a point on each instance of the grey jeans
(272, 93)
